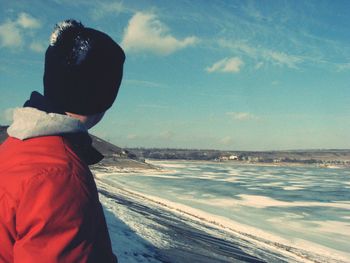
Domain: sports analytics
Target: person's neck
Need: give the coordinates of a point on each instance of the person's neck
(88, 120)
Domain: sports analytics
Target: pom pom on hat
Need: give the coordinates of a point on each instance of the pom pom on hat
(61, 27)
(83, 69)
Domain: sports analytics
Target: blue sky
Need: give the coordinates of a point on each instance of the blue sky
(237, 75)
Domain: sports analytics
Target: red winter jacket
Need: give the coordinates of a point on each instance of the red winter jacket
(49, 206)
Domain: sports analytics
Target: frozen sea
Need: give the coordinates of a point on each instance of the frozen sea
(306, 208)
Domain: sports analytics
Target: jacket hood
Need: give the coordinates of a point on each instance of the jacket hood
(30, 122)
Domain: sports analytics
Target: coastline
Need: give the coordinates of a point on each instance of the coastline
(277, 164)
(168, 237)
(179, 227)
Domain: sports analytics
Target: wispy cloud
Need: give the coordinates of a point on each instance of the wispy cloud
(343, 67)
(259, 65)
(26, 21)
(281, 58)
(37, 46)
(242, 116)
(132, 137)
(153, 106)
(262, 55)
(226, 65)
(145, 32)
(104, 8)
(12, 32)
(144, 83)
(166, 135)
(239, 46)
(10, 35)
(275, 83)
(227, 140)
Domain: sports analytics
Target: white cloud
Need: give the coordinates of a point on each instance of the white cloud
(227, 65)
(10, 35)
(12, 32)
(26, 21)
(146, 33)
(37, 47)
(241, 116)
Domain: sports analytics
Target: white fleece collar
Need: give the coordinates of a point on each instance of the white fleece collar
(30, 122)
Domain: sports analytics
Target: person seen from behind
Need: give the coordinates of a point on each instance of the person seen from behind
(49, 206)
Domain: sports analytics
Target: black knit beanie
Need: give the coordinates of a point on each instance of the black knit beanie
(83, 69)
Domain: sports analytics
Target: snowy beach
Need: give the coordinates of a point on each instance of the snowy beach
(151, 226)
(146, 231)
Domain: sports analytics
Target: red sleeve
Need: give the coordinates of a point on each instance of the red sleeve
(58, 220)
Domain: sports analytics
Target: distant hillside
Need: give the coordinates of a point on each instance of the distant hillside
(318, 157)
(114, 155)
(133, 157)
